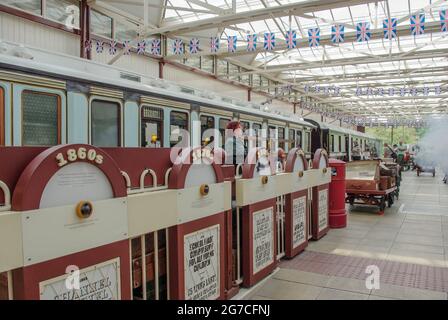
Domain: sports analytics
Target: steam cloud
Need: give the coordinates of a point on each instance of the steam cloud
(434, 145)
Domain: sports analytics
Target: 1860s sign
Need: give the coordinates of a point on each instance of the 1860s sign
(98, 282)
(201, 264)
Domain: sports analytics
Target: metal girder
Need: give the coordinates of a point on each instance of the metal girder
(383, 98)
(254, 15)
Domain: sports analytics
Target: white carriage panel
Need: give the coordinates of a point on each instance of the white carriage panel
(77, 118)
(131, 124)
(24, 31)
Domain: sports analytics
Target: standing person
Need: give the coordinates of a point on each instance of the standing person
(234, 146)
(401, 149)
(356, 151)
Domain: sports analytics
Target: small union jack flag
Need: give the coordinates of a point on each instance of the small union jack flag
(291, 39)
(231, 43)
(269, 41)
(155, 47)
(99, 46)
(127, 47)
(390, 28)
(418, 24)
(443, 21)
(214, 44)
(251, 42)
(314, 37)
(194, 45)
(337, 33)
(141, 47)
(178, 46)
(113, 47)
(363, 31)
(88, 45)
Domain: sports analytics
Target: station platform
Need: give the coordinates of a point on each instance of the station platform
(409, 244)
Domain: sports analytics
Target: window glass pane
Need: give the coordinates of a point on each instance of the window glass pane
(178, 120)
(281, 137)
(222, 68)
(292, 138)
(40, 119)
(33, 6)
(245, 78)
(207, 122)
(63, 11)
(222, 129)
(299, 139)
(105, 123)
(100, 24)
(125, 31)
(151, 127)
(207, 63)
(233, 71)
(308, 142)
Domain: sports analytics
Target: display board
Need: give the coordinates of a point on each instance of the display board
(299, 221)
(323, 209)
(201, 264)
(97, 282)
(263, 238)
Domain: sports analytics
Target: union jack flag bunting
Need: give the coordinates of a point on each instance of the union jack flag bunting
(194, 45)
(314, 37)
(418, 24)
(88, 45)
(443, 21)
(155, 47)
(141, 47)
(269, 41)
(214, 44)
(337, 33)
(251, 42)
(127, 47)
(99, 46)
(291, 39)
(390, 28)
(112, 47)
(363, 31)
(231, 43)
(178, 46)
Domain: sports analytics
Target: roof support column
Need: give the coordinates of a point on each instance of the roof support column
(85, 29)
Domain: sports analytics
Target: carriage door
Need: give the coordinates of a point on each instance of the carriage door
(151, 127)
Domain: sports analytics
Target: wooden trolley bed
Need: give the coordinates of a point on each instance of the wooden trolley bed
(372, 197)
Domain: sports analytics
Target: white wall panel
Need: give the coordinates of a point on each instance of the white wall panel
(23, 31)
(132, 63)
(198, 81)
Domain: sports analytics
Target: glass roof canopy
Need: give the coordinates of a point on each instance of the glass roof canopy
(407, 61)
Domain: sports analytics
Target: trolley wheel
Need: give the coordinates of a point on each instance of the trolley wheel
(351, 201)
(382, 204)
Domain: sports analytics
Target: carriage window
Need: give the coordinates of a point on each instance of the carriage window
(207, 122)
(105, 126)
(281, 138)
(257, 132)
(40, 118)
(222, 129)
(151, 127)
(299, 139)
(292, 138)
(308, 141)
(340, 143)
(2, 118)
(178, 121)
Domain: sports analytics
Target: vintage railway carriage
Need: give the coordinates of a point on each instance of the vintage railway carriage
(339, 141)
(89, 179)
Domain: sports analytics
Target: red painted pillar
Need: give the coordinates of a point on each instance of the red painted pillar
(161, 65)
(248, 94)
(85, 29)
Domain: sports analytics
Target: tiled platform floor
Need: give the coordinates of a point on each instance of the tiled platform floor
(409, 243)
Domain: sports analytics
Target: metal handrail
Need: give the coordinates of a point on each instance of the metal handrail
(7, 195)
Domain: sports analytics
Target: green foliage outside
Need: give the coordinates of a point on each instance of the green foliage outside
(393, 136)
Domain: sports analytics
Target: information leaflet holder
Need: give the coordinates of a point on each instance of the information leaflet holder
(197, 251)
(296, 205)
(72, 204)
(258, 217)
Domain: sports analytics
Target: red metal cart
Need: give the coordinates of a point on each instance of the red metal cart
(371, 197)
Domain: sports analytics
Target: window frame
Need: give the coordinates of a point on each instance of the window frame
(120, 120)
(292, 137)
(159, 121)
(59, 114)
(169, 123)
(223, 134)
